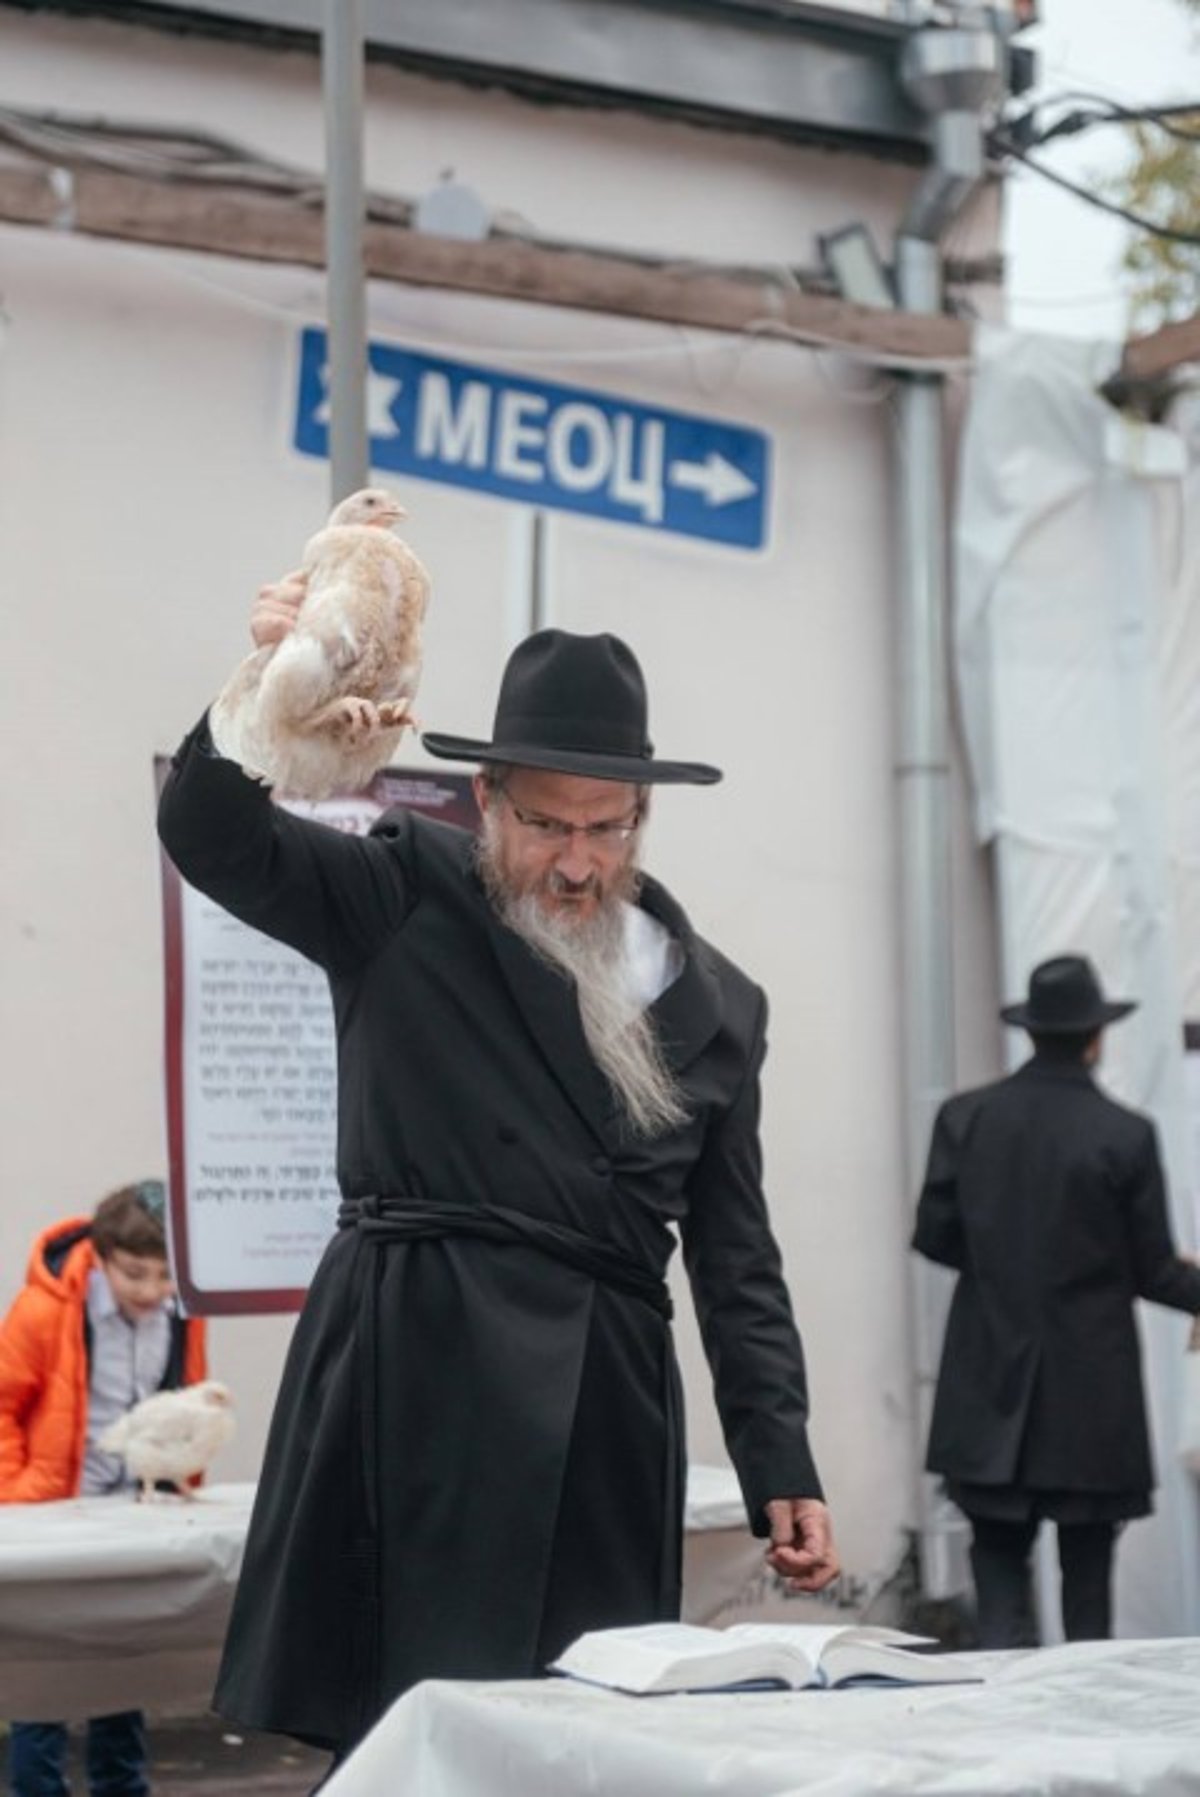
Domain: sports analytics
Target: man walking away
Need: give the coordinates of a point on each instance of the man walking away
(1047, 1197)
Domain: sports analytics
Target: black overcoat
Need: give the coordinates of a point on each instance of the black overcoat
(476, 1450)
(1048, 1198)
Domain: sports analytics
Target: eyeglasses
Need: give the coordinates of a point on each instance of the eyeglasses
(608, 835)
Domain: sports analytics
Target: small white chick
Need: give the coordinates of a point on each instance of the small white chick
(172, 1435)
(323, 710)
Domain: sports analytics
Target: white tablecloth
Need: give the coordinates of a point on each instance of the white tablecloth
(1091, 1719)
(106, 1603)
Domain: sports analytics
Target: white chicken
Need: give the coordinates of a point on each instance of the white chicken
(172, 1435)
(324, 709)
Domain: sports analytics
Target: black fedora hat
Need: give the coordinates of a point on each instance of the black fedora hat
(574, 705)
(1065, 998)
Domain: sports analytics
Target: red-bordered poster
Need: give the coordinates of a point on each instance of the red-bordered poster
(251, 1079)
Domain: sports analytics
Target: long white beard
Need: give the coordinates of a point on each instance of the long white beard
(590, 952)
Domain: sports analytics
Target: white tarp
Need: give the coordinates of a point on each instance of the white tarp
(1092, 1719)
(1078, 651)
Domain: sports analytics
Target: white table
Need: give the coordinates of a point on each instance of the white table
(1091, 1719)
(106, 1604)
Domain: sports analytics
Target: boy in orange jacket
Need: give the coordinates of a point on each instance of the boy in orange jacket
(95, 1329)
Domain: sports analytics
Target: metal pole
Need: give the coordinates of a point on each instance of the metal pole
(954, 75)
(923, 803)
(539, 609)
(342, 76)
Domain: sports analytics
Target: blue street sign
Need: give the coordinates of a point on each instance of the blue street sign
(547, 445)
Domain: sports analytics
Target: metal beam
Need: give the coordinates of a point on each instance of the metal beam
(794, 71)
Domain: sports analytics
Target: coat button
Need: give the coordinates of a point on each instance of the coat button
(601, 1164)
(506, 1133)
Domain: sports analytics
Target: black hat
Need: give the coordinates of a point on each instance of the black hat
(574, 705)
(1065, 998)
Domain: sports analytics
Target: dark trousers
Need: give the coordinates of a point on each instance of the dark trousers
(115, 1757)
(1000, 1563)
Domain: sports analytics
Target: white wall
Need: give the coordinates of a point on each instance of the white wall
(146, 488)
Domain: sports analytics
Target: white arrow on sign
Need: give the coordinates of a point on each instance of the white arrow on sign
(718, 480)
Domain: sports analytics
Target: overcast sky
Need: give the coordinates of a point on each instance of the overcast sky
(1064, 255)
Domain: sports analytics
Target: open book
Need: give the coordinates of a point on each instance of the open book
(675, 1656)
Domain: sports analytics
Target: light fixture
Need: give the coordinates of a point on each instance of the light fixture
(853, 262)
(452, 209)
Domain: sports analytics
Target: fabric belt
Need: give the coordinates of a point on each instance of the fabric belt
(403, 1219)
(379, 1220)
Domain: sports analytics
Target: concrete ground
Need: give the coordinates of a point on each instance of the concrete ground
(202, 1756)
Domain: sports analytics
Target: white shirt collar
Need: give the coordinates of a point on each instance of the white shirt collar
(653, 957)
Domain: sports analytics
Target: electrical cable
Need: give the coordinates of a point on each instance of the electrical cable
(893, 361)
(1112, 112)
(1062, 301)
(199, 158)
(173, 157)
(1169, 232)
(180, 157)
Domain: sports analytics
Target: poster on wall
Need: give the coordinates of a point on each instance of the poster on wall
(251, 1078)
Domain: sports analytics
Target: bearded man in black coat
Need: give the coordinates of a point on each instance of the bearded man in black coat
(477, 1450)
(1047, 1197)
